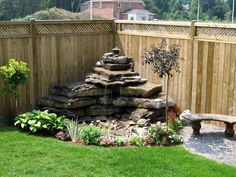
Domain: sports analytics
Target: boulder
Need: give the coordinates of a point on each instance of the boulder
(141, 113)
(141, 132)
(143, 122)
(142, 103)
(144, 90)
(184, 121)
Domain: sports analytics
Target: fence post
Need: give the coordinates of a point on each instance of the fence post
(34, 61)
(114, 33)
(194, 61)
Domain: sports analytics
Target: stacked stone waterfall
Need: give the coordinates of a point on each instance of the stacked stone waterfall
(112, 91)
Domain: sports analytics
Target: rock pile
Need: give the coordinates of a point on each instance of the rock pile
(112, 91)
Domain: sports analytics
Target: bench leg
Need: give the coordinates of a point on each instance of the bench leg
(229, 131)
(196, 126)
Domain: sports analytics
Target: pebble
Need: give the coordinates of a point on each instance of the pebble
(211, 143)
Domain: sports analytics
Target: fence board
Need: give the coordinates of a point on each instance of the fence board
(56, 52)
(62, 52)
(207, 79)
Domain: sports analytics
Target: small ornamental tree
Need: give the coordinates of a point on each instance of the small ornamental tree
(15, 73)
(164, 60)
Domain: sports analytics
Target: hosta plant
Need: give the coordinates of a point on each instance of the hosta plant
(40, 121)
(90, 134)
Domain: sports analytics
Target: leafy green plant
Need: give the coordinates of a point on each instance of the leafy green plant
(40, 121)
(173, 120)
(136, 141)
(15, 73)
(162, 136)
(119, 142)
(74, 130)
(176, 124)
(90, 134)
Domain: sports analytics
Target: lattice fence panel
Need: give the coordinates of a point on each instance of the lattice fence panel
(216, 33)
(14, 29)
(155, 28)
(73, 28)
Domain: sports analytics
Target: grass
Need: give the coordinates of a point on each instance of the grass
(23, 155)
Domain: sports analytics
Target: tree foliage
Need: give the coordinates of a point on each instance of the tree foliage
(163, 59)
(12, 9)
(15, 73)
(217, 10)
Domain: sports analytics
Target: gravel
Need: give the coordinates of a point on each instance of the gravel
(211, 143)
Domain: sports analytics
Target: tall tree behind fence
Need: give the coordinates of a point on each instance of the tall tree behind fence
(56, 52)
(207, 82)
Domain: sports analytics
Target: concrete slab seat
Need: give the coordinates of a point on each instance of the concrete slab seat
(197, 118)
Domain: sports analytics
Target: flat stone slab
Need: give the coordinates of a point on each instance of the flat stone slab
(68, 113)
(144, 90)
(105, 100)
(114, 74)
(122, 81)
(78, 90)
(197, 118)
(142, 103)
(214, 117)
(116, 67)
(101, 110)
(66, 103)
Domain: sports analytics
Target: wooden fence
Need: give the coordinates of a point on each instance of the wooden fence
(207, 81)
(64, 51)
(56, 52)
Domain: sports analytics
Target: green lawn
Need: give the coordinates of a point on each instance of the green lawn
(27, 155)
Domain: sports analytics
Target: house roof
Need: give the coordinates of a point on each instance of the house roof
(138, 12)
(134, 1)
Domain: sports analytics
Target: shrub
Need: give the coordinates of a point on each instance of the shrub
(40, 121)
(90, 134)
(176, 124)
(15, 73)
(74, 130)
(173, 120)
(136, 141)
(162, 136)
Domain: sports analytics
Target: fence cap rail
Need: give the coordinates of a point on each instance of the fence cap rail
(215, 25)
(54, 22)
(14, 23)
(171, 23)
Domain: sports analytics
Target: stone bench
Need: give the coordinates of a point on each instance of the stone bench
(196, 119)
